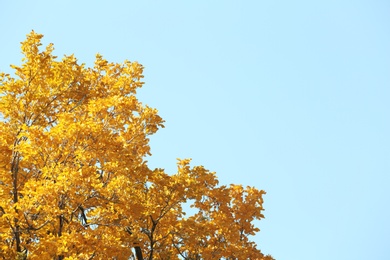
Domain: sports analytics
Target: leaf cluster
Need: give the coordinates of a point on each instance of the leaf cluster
(74, 182)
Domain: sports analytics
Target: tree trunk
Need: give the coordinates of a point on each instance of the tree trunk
(138, 253)
(14, 171)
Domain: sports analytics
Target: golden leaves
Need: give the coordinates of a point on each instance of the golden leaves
(74, 182)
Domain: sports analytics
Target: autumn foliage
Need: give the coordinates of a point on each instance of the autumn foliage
(74, 182)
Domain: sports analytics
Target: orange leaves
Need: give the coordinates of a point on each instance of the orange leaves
(73, 142)
(74, 183)
(220, 224)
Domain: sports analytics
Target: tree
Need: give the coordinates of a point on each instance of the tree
(74, 182)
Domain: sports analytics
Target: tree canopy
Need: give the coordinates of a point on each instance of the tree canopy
(74, 180)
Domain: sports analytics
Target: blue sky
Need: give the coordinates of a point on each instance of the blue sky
(289, 96)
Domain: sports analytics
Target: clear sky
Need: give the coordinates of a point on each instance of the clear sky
(292, 97)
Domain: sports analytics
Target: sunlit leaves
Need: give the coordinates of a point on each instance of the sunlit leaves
(74, 182)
